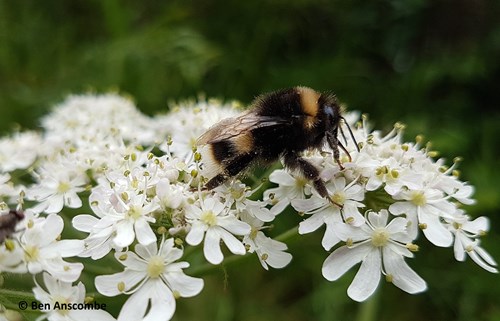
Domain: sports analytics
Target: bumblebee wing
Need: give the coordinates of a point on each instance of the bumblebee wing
(231, 127)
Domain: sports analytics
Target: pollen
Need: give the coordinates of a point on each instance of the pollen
(380, 237)
(412, 247)
(31, 253)
(382, 170)
(63, 187)
(178, 241)
(339, 198)
(237, 193)
(349, 220)
(134, 212)
(300, 182)
(253, 233)
(209, 218)
(418, 198)
(156, 266)
(10, 245)
(124, 196)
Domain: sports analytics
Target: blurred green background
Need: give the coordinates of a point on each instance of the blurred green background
(433, 65)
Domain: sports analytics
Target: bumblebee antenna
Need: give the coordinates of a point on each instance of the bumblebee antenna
(350, 132)
(343, 135)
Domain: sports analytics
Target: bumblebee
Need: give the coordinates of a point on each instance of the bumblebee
(279, 125)
(8, 223)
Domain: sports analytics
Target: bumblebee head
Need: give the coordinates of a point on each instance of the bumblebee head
(330, 109)
(332, 115)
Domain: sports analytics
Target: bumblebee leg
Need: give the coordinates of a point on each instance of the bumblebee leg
(232, 168)
(334, 145)
(216, 181)
(294, 161)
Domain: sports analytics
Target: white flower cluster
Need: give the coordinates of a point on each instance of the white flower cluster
(389, 191)
(138, 178)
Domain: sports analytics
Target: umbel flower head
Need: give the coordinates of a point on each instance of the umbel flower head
(136, 184)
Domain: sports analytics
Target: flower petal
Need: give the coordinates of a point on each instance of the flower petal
(124, 234)
(143, 232)
(52, 228)
(84, 222)
(90, 315)
(435, 231)
(146, 251)
(233, 244)
(135, 307)
(162, 302)
(341, 260)
(65, 248)
(72, 200)
(233, 225)
(402, 275)
(195, 235)
(56, 204)
(186, 285)
(108, 284)
(367, 279)
(211, 247)
(312, 223)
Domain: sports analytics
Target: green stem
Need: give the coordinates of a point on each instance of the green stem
(10, 298)
(368, 309)
(285, 236)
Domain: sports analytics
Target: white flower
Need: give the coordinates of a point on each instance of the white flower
(238, 195)
(44, 252)
(153, 279)
(134, 221)
(425, 208)
(7, 189)
(61, 293)
(99, 242)
(170, 196)
(125, 214)
(466, 241)
(215, 223)
(290, 188)
(381, 248)
(393, 175)
(81, 117)
(270, 252)
(19, 151)
(58, 186)
(11, 257)
(324, 212)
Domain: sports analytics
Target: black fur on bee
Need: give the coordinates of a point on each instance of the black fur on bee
(8, 223)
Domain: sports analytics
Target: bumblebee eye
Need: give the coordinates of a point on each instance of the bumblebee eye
(329, 111)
